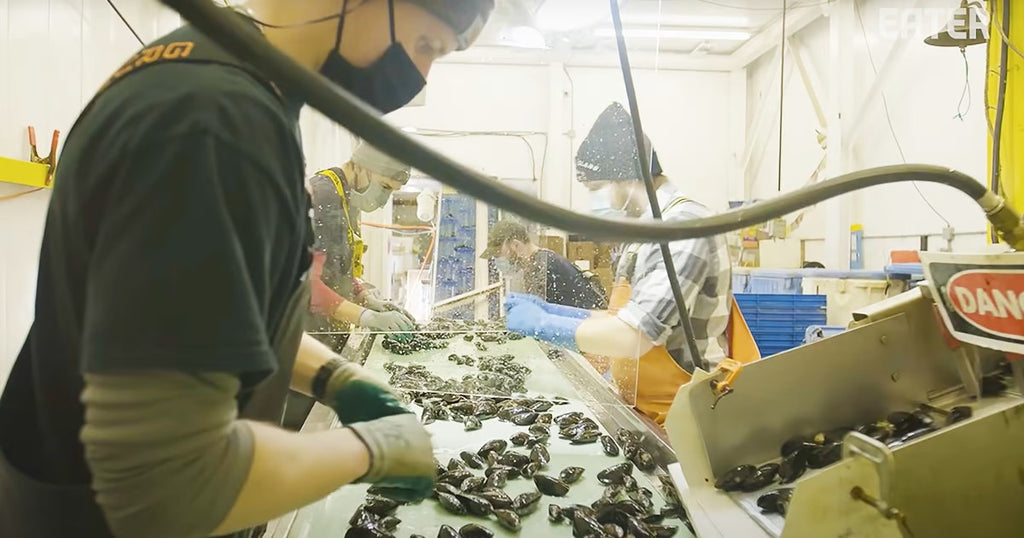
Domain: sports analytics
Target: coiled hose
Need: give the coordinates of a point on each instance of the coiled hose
(341, 106)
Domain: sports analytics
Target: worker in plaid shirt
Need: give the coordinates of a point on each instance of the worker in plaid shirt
(643, 336)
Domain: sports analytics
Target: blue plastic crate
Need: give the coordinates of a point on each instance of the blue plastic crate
(740, 282)
(780, 282)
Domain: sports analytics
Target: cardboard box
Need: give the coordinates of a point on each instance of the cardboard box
(554, 243)
(581, 250)
(604, 255)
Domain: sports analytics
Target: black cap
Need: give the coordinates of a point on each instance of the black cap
(608, 153)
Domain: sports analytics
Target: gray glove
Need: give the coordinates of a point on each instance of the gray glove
(389, 321)
(378, 305)
(401, 455)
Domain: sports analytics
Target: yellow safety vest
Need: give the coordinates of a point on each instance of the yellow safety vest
(354, 241)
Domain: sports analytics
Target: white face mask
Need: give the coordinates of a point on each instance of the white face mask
(371, 199)
(601, 204)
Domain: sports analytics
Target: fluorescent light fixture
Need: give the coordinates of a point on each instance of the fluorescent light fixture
(568, 15)
(666, 33)
(525, 37)
(701, 21)
(410, 129)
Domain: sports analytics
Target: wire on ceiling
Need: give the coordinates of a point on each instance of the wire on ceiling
(888, 117)
(961, 110)
(521, 135)
(126, 23)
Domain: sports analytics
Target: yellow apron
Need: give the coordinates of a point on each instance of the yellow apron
(653, 380)
(354, 241)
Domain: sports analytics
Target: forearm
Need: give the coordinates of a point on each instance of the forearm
(291, 470)
(609, 336)
(312, 354)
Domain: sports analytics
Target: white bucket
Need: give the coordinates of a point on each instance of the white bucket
(848, 294)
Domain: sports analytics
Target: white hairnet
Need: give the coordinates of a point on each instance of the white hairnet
(377, 162)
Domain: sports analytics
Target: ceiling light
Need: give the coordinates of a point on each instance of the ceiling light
(410, 129)
(664, 33)
(703, 21)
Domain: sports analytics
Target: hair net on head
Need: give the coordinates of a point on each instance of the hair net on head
(465, 17)
(608, 153)
(372, 159)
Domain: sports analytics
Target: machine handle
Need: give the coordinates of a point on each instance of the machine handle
(858, 444)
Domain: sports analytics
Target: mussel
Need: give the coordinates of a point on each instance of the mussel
(455, 477)
(454, 464)
(472, 460)
(734, 478)
(824, 455)
(568, 418)
(540, 455)
(476, 505)
(472, 484)
(958, 413)
(447, 531)
(361, 518)
(584, 525)
(628, 437)
(520, 439)
(539, 430)
(614, 474)
(524, 419)
(775, 502)
(764, 476)
(451, 503)
(530, 469)
(638, 528)
(496, 445)
(643, 460)
(550, 485)
(585, 436)
(508, 519)
(555, 514)
(497, 479)
(472, 530)
(609, 445)
(497, 497)
(525, 500)
(792, 467)
(663, 531)
(471, 423)
(380, 506)
(366, 532)
(512, 472)
(541, 406)
(514, 459)
(389, 523)
(612, 530)
(571, 475)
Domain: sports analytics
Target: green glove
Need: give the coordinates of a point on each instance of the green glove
(357, 396)
(401, 456)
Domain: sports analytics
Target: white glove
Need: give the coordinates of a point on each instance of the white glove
(389, 321)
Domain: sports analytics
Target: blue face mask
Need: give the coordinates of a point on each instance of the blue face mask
(601, 204)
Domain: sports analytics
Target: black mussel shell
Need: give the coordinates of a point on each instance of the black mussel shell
(520, 439)
(958, 413)
(426, 417)
(445, 487)
(644, 501)
(612, 493)
(366, 532)
(468, 337)
(455, 477)
(610, 446)
(492, 459)
(734, 478)
(361, 518)
(537, 440)
(628, 437)
(663, 531)
(911, 435)
(539, 429)
(471, 423)
(877, 431)
(586, 436)
(653, 519)
(447, 531)
(540, 455)
(524, 419)
(512, 472)
(530, 469)
(389, 523)
(524, 500)
(497, 497)
(541, 406)
(573, 509)
(497, 479)
(416, 536)
(638, 528)
(568, 418)
(643, 460)
(792, 467)
(555, 514)
(614, 474)
(507, 413)
(775, 502)
(629, 483)
(993, 384)
(485, 410)
(612, 530)
(899, 418)
(545, 419)
(631, 508)
(550, 485)
(571, 475)
(439, 469)
(650, 494)
(464, 407)
(584, 525)
(762, 478)
(496, 445)
(380, 506)
(451, 503)
(793, 444)
(513, 459)
(454, 464)
(472, 530)
(824, 455)
(508, 519)
(472, 484)
(472, 460)
(476, 505)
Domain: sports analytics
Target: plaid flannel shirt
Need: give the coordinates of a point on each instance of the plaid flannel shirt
(705, 276)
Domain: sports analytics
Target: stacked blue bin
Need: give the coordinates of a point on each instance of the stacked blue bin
(779, 321)
(456, 251)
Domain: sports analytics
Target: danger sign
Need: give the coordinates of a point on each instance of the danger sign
(980, 297)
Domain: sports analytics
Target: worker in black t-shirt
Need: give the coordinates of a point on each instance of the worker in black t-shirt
(544, 273)
(172, 285)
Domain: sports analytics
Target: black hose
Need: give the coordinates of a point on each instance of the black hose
(341, 106)
(644, 161)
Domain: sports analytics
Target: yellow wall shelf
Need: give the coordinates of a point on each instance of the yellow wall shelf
(24, 173)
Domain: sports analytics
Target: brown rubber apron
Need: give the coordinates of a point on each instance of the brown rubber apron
(34, 509)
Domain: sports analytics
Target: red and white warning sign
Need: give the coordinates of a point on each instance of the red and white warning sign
(981, 297)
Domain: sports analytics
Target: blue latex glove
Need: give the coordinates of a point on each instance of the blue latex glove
(528, 319)
(550, 308)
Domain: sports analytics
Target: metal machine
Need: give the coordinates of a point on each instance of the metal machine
(965, 479)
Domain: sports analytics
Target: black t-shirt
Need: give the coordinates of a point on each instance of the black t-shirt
(177, 233)
(558, 281)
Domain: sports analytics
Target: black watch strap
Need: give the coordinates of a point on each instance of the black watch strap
(323, 374)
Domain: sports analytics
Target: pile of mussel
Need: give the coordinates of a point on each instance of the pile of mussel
(409, 343)
(804, 452)
(473, 484)
(499, 376)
